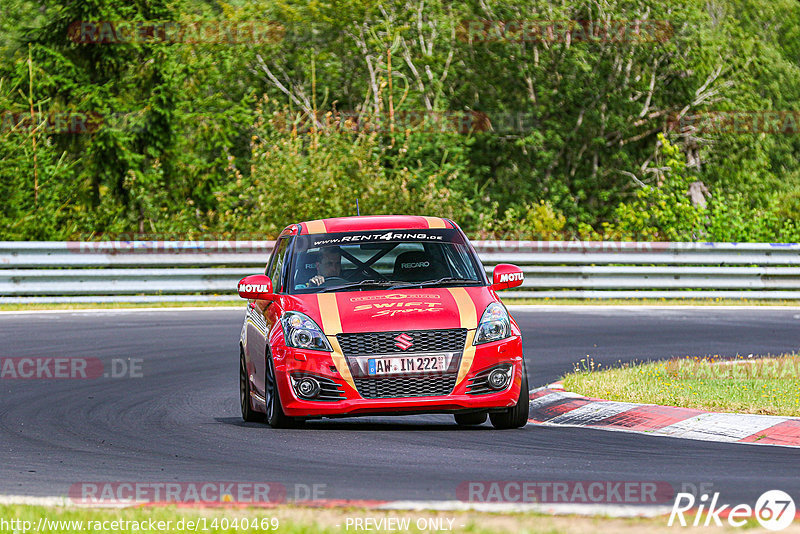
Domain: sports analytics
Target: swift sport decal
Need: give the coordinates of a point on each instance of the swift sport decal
(424, 306)
(396, 306)
(430, 309)
(392, 313)
(395, 296)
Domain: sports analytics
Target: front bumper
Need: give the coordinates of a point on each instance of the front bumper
(295, 362)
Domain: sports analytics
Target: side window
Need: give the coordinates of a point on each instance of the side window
(459, 263)
(275, 269)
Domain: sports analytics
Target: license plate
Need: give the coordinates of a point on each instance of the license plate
(406, 364)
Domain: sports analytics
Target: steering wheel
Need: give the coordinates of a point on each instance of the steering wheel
(333, 279)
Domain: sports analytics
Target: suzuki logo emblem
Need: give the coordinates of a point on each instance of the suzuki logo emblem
(404, 341)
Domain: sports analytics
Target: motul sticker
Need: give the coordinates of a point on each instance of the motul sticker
(253, 288)
(511, 277)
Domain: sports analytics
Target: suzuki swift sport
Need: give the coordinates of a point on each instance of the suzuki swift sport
(389, 315)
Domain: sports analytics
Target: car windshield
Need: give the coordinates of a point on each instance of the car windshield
(383, 259)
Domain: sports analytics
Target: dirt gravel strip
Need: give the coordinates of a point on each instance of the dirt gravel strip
(551, 405)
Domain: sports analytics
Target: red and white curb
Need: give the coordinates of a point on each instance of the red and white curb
(551, 405)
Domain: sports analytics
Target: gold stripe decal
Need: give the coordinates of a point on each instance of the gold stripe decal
(435, 222)
(316, 227)
(332, 325)
(468, 317)
(466, 360)
(340, 362)
(329, 311)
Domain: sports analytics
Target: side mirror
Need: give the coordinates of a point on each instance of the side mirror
(257, 286)
(506, 276)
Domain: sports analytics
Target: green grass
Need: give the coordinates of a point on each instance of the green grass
(299, 520)
(743, 385)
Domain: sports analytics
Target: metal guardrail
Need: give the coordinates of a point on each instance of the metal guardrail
(150, 271)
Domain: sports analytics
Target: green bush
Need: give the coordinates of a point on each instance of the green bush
(319, 173)
(663, 212)
(538, 221)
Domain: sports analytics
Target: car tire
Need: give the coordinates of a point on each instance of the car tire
(470, 419)
(275, 416)
(248, 414)
(516, 416)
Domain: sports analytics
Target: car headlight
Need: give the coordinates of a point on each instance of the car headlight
(301, 332)
(494, 324)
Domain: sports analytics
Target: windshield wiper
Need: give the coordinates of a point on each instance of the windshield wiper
(363, 283)
(447, 280)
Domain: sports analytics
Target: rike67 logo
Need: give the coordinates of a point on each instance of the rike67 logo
(774, 510)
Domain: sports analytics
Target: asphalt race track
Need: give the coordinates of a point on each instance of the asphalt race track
(180, 420)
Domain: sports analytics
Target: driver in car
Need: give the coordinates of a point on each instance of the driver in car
(329, 264)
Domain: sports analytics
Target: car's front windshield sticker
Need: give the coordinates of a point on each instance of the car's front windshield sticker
(386, 236)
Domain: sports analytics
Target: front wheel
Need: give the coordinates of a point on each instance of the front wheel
(516, 416)
(275, 416)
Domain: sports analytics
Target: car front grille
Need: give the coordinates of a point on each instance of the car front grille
(385, 343)
(391, 387)
(422, 341)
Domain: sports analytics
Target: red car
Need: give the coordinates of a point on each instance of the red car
(389, 315)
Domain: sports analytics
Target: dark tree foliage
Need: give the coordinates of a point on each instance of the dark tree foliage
(600, 131)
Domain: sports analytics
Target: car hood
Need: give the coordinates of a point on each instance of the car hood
(407, 309)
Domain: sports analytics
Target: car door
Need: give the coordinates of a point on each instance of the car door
(265, 313)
